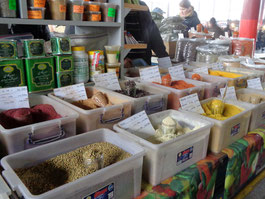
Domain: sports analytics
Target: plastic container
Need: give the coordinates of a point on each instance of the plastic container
(108, 12)
(243, 46)
(8, 8)
(93, 6)
(212, 86)
(165, 160)
(96, 63)
(175, 94)
(259, 65)
(25, 137)
(231, 60)
(57, 9)
(124, 175)
(101, 1)
(5, 191)
(81, 70)
(93, 16)
(33, 48)
(113, 68)
(101, 117)
(225, 132)
(75, 10)
(36, 3)
(113, 54)
(210, 53)
(8, 49)
(36, 13)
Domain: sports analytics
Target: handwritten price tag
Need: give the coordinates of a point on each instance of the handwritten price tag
(230, 93)
(107, 80)
(176, 72)
(191, 103)
(255, 84)
(72, 93)
(150, 74)
(218, 66)
(201, 70)
(139, 124)
(16, 97)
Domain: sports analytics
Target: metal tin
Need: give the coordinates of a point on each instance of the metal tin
(12, 73)
(8, 50)
(34, 48)
(61, 45)
(64, 78)
(40, 74)
(64, 63)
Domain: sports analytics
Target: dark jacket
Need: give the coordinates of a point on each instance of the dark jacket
(144, 29)
(217, 31)
(191, 21)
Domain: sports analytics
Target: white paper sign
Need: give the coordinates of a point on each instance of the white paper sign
(218, 66)
(164, 62)
(191, 103)
(107, 80)
(226, 34)
(250, 61)
(230, 93)
(176, 72)
(150, 74)
(201, 70)
(71, 93)
(255, 83)
(181, 36)
(139, 124)
(16, 97)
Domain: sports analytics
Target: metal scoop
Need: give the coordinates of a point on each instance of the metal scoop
(218, 108)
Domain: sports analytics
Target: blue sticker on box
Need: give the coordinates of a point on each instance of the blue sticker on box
(235, 129)
(104, 193)
(185, 155)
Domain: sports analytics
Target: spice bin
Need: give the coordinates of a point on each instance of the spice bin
(57, 9)
(257, 66)
(75, 10)
(243, 46)
(36, 13)
(161, 159)
(29, 136)
(36, 3)
(8, 8)
(108, 12)
(101, 117)
(92, 16)
(5, 191)
(231, 60)
(210, 53)
(122, 179)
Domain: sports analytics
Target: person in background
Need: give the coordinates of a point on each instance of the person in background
(213, 27)
(228, 29)
(188, 14)
(157, 16)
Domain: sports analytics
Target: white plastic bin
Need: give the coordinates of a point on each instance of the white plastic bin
(101, 117)
(29, 136)
(163, 160)
(258, 111)
(153, 103)
(124, 175)
(5, 192)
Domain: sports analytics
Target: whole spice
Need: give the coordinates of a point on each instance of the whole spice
(8, 8)
(132, 91)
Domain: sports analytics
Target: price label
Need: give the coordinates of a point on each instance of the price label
(107, 80)
(255, 84)
(72, 93)
(181, 36)
(150, 74)
(164, 62)
(16, 97)
(226, 34)
(139, 124)
(191, 103)
(176, 72)
(250, 61)
(218, 66)
(230, 93)
(201, 70)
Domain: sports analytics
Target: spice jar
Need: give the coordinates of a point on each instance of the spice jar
(57, 9)
(75, 10)
(93, 16)
(8, 8)
(36, 13)
(93, 6)
(96, 60)
(81, 70)
(108, 12)
(36, 3)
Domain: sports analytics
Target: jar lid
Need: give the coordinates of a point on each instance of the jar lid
(95, 51)
(78, 48)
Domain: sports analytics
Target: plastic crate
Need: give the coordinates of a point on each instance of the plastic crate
(124, 175)
(164, 160)
(5, 192)
(101, 117)
(29, 136)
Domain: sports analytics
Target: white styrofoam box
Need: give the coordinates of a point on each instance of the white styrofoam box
(258, 111)
(5, 192)
(126, 175)
(101, 117)
(164, 160)
(175, 94)
(153, 103)
(225, 132)
(250, 73)
(212, 86)
(25, 137)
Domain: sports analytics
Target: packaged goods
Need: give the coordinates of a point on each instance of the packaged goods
(8, 8)
(179, 84)
(36, 3)
(8, 49)
(34, 48)
(12, 73)
(231, 60)
(93, 16)
(64, 78)
(243, 46)
(36, 13)
(96, 63)
(93, 6)
(114, 68)
(57, 9)
(61, 45)
(75, 10)
(81, 69)
(64, 63)
(210, 53)
(113, 54)
(108, 12)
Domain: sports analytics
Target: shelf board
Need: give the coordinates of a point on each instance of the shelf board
(57, 22)
(135, 46)
(134, 7)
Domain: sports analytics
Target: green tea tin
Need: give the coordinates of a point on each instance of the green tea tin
(61, 45)
(64, 63)
(33, 48)
(8, 49)
(64, 78)
(40, 74)
(12, 73)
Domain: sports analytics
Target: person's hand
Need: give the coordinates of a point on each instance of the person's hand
(127, 63)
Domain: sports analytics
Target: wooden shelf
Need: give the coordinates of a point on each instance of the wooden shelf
(134, 7)
(135, 46)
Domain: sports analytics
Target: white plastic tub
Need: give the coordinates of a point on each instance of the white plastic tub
(101, 117)
(258, 111)
(153, 103)
(25, 137)
(5, 192)
(124, 175)
(162, 160)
